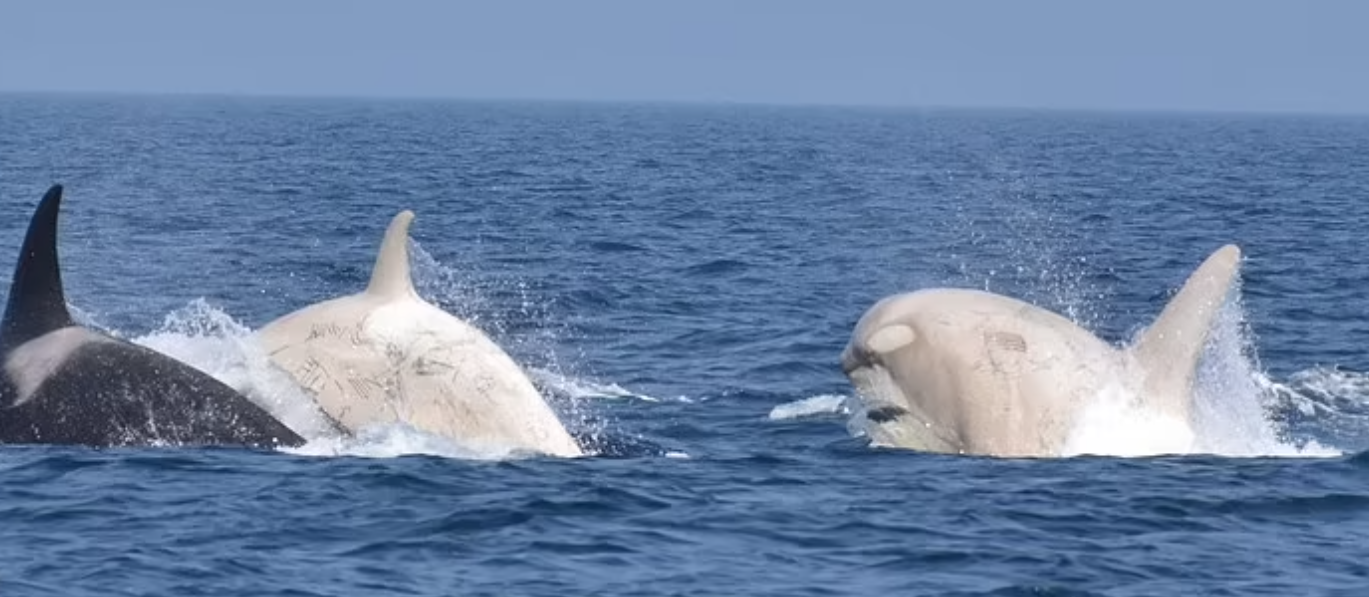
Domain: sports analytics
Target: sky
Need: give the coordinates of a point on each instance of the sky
(1208, 55)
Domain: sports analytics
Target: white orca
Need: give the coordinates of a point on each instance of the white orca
(387, 356)
(66, 384)
(970, 372)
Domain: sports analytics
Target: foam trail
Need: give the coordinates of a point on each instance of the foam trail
(1326, 391)
(813, 406)
(1323, 404)
(582, 389)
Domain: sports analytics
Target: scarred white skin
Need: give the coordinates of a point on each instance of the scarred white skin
(970, 372)
(387, 356)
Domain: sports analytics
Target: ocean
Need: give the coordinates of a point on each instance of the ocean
(680, 280)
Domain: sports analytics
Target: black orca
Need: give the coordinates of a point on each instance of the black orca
(66, 384)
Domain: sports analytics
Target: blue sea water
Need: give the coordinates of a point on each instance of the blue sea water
(680, 280)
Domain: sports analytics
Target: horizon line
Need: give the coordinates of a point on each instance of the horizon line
(796, 104)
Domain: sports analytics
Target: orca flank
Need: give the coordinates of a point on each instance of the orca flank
(67, 384)
(384, 356)
(970, 372)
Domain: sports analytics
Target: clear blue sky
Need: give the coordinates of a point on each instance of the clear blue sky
(1309, 56)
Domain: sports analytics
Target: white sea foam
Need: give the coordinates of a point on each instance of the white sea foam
(1115, 424)
(1324, 391)
(390, 441)
(813, 406)
(583, 389)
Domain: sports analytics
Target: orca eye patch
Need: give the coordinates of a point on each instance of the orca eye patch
(885, 414)
(890, 338)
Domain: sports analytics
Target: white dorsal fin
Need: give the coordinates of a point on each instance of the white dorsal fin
(1168, 351)
(390, 278)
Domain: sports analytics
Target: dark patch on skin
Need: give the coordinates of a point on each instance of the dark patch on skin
(1007, 341)
(885, 414)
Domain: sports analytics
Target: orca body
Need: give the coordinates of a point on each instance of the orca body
(970, 372)
(62, 383)
(385, 356)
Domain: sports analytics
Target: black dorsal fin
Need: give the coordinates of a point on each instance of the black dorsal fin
(37, 304)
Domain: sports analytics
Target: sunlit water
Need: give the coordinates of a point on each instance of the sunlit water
(679, 282)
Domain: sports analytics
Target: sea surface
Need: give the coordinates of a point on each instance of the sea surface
(679, 280)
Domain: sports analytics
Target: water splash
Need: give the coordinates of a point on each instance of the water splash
(449, 288)
(395, 440)
(505, 309)
(1116, 424)
(1231, 407)
(1013, 223)
(507, 312)
(209, 339)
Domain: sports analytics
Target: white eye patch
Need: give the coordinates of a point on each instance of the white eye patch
(890, 338)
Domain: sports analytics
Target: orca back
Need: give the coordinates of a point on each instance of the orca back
(114, 393)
